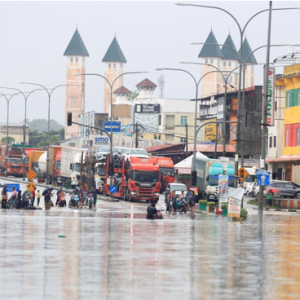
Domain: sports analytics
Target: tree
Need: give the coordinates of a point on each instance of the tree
(132, 95)
(9, 138)
(42, 125)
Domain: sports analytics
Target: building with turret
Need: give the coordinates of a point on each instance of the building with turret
(76, 53)
(114, 61)
(225, 59)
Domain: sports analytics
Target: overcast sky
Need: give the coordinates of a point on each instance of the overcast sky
(34, 36)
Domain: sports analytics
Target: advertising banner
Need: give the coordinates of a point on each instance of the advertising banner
(101, 140)
(270, 90)
(147, 108)
(234, 207)
(223, 188)
(210, 131)
(116, 126)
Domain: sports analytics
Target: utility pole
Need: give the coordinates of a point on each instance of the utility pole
(186, 139)
(136, 135)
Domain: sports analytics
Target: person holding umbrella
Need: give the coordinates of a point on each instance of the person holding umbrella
(270, 195)
(47, 196)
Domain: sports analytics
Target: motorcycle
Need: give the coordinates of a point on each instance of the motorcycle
(90, 201)
(182, 206)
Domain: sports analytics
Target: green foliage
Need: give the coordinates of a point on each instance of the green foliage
(211, 204)
(224, 206)
(203, 201)
(41, 125)
(9, 138)
(244, 212)
(68, 182)
(132, 95)
(41, 139)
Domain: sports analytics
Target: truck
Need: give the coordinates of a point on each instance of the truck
(70, 164)
(100, 172)
(166, 171)
(134, 178)
(208, 171)
(34, 160)
(54, 164)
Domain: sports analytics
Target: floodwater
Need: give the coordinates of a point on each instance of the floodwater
(115, 253)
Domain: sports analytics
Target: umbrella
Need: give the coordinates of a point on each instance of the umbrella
(272, 190)
(45, 191)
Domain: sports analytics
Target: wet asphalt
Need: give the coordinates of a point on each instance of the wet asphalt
(115, 253)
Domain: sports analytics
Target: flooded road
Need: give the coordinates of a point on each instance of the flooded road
(115, 253)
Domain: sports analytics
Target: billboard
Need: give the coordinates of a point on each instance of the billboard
(149, 122)
(147, 108)
(101, 140)
(271, 95)
(210, 131)
(223, 188)
(116, 126)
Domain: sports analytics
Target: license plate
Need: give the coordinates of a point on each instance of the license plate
(211, 197)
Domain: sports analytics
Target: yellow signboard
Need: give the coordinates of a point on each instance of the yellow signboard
(31, 186)
(30, 175)
(210, 131)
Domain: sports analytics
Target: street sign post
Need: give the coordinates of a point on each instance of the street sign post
(31, 186)
(242, 173)
(112, 189)
(31, 175)
(116, 126)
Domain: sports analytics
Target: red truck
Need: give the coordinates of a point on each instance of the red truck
(135, 179)
(166, 171)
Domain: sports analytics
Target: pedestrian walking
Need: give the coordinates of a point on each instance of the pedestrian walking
(3, 198)
(38, 197)
(25, 198)
(187, 197)
(57, 196)
(192, 201)
(19, 201)
(47, 198)
(269, 200)
(14, 198)
(33, 196)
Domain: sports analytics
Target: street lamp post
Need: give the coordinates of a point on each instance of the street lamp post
(242, 32)
(196, 100)
(7, 121)
(111, 85)
(49, 97)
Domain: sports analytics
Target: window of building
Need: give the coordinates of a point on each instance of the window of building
(224, 63)
(170, 122)
(288, 99)
(286, 137)
(182, 140)
(298, 132)
(229, 63)
(211, 61)
(183, 120)
(274, 142)
(109, 66)
(71, 59)
(114, 66)
(76, 59)
(159, 120)
(206, 60)
(159, 136)
(270, 142)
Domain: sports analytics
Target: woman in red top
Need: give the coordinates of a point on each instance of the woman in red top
(33, 197)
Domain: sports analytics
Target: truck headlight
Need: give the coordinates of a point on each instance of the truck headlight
(156, 194)
(132, 193)
(8, 169)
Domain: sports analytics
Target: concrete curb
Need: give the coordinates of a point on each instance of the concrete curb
(205, 212)
(279, 209)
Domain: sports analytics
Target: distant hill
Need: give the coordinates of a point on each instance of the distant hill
(42, 125)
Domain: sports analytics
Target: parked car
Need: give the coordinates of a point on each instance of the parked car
(177, 187)
(286, 189)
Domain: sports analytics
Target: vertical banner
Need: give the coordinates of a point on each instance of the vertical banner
(234, 207)
(223, 189)
(270, 91)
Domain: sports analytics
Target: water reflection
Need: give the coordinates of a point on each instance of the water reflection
(118, 254)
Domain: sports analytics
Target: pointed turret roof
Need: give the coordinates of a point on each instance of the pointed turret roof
(146, 83)
(227, 52)
(76, 46)
(114, 53)
(122, 90)
(211, 50)
(246, 52)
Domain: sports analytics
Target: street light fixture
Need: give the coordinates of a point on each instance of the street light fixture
(48, 134)
(111, 85)
(242, 32)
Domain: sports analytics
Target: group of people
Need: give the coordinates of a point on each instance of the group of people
(78, 199)
(188, 199)
(19, 200)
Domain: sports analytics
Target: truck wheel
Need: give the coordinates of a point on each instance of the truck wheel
(125, 195)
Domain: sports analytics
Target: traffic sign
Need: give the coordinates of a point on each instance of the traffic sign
(31, 186)
(263, 177)
(116, 126)
(30, 175)
(11, 185)
(112, 189)
(242, 173)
